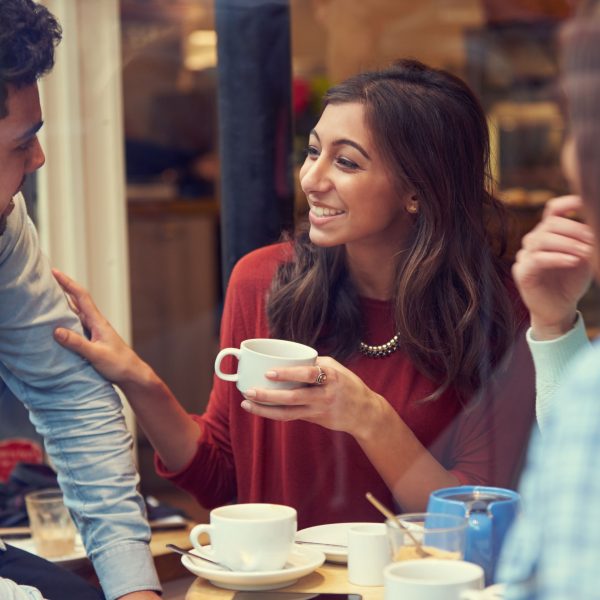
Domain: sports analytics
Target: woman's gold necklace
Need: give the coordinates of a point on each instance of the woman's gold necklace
(380, 351)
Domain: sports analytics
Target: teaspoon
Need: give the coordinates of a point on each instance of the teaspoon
(179, 550)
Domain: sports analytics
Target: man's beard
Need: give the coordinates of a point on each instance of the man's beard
(4, 216)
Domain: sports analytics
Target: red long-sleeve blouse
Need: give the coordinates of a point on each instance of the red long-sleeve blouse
(325, 474)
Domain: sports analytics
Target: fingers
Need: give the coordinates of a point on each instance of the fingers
(547, 241)
(326, 369)
(76, 291)
(544, 261)
(296, 397)
(74, 342)
(563, 206)
(558, 234)
(66, 283)
(308, 374)
(277, 413)
(79, 298)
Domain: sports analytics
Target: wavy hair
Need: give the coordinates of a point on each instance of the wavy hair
(453, 312)
(29, 34)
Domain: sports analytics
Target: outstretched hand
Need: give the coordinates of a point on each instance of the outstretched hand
(105, 349)
(342, 403)
(553, 268)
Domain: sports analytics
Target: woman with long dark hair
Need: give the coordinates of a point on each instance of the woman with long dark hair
(398, 280)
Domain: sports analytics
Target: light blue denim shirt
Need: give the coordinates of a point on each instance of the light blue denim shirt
(76, 411)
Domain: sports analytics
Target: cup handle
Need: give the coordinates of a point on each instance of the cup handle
(483, 547)
(222, 354)
(194, 538)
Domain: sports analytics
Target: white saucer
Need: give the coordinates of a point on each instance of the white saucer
(28, 545)
(323, 535)
(301, 562)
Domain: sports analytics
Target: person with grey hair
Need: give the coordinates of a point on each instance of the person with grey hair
(77, 412)
(552, 552)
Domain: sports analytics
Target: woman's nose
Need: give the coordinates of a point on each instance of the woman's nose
(314, 176)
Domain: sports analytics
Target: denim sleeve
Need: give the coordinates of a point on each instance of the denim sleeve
(76, 411)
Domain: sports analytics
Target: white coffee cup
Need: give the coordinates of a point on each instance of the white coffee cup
(257, 356)
(369, 552)
(493, 592)
(249, 537)
(431, 579)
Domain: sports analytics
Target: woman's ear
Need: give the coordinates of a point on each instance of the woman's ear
(412, 206)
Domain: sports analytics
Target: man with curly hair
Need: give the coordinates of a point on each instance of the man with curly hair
(76, 411)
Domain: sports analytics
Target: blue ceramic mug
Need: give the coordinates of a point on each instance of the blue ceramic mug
(490, 511)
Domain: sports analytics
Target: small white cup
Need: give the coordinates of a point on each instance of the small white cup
(369, 552)
(431, 579)
(257, 356)
(249, 537)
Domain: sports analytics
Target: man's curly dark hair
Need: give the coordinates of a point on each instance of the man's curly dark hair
(28, 35)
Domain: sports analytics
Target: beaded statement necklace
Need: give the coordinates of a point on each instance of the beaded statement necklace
(380, 351)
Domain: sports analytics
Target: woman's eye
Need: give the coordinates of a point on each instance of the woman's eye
(346, 163)
(311, 151)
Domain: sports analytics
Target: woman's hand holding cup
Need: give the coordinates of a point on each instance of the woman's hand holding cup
(285, 381)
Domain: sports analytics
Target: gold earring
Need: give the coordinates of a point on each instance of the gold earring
(412, 207)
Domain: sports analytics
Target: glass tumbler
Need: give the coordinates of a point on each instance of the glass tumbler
(52, 529)
(439, 535)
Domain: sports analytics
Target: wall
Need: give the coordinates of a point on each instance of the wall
(341, 37)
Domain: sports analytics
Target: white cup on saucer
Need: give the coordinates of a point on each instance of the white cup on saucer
(257, 356)
(431, 579)
(248, 537)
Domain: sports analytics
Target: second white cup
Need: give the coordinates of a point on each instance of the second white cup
(431, 579)
(249, 537)
(257, 356)
(369, 552)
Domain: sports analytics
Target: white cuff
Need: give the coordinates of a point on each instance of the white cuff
(551, 359)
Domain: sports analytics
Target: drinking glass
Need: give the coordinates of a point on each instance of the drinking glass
(441, 536)
(52, 529)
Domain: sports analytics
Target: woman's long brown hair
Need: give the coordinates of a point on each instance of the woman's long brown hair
(452, 309)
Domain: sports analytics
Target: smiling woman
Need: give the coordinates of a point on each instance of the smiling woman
(396, 254)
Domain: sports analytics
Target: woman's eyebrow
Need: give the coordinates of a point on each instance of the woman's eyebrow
(344, 142)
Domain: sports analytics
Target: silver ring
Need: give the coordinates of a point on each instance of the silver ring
(321, 377)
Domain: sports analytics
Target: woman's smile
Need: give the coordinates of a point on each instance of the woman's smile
(319, 215)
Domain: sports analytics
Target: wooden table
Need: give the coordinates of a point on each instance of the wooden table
(328, 578)
(168, 564)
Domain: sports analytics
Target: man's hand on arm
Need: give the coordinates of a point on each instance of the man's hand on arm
(552, 269)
